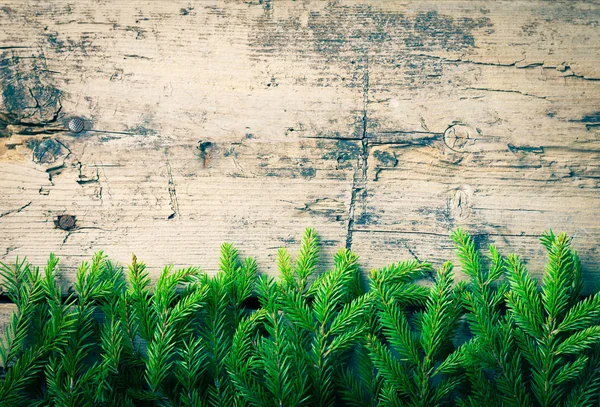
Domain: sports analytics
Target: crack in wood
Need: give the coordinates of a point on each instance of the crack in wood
(82, 180)
(7, 47)
(445, 235)
(327, 207)
(125, 133)
(510, 91)
(412, 253)
(174, 203)
(467, 61)
(560, 68)
(433, 133)
(15, 210)
(359, 182)
(333, 138)
(81, 230)
(10, 249)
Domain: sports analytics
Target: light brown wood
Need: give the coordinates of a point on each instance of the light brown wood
(385, 125)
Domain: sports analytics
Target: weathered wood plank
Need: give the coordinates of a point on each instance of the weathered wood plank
(385, 125)
(504, 144)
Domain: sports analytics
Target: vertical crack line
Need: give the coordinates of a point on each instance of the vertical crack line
(99, 194)
(105, 181)
(351, 215)
(174, 203)
(359, 181)
(364, 138)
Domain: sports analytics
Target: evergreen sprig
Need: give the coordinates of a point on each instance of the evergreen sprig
(305, 326)
(316, 338)
(414, 357)
(53, 323)
(544, 343)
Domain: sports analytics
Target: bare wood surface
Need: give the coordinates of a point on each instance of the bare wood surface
(384, 125)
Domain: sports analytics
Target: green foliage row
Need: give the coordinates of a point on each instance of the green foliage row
(326, 339)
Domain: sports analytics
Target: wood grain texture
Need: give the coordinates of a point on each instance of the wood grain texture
(385, 125)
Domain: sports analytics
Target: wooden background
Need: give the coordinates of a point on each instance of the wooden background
(385, 125)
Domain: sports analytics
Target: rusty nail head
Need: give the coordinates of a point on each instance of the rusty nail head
(66, 222)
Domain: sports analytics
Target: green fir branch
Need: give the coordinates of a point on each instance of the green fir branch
(317, 338)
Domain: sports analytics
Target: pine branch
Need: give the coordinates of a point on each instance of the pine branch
(394, 372)
(524, 300)
(24, 287)
(493, 346)
(284, 265)
(585, 391)
(408, 367)
(396, 329)
(316, 339)
(582, 315)
(69, 376)
(59, 327)
(467, 254)
(359, 382)
(401, 272)
(440, 316)
(172, 314)
(579, 341)
(138, 294)
(556, 289)
(189, 369)
(307, 258)
(217, 335)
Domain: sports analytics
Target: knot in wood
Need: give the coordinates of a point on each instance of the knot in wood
(458, 137)
(205, 147)
(47, 151)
